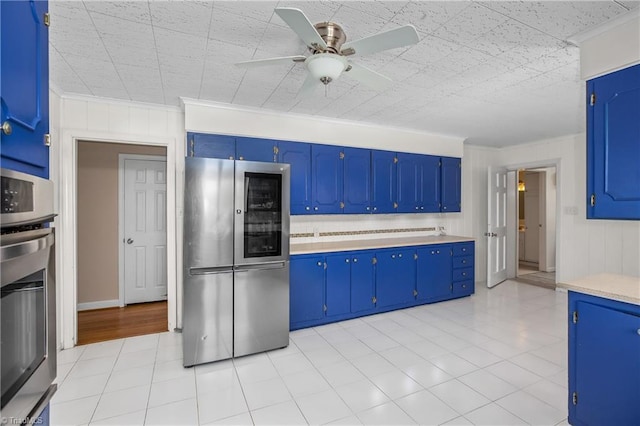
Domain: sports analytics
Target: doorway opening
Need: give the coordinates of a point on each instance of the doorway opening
(103, 313)
(536, 226)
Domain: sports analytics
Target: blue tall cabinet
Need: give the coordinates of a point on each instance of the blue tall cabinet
(24, 80)
(613, 145)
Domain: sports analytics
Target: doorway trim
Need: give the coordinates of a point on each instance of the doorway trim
(122, 157)
(512, 243)
(67, 222)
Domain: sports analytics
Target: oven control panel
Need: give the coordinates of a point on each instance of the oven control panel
(16, 195)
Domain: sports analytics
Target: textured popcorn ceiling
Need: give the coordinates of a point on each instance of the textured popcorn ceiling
(497, 73)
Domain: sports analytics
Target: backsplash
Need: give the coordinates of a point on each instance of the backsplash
(305, 229)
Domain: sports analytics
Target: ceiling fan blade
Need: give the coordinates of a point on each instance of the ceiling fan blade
(398, 37)
(270, 61)
(309, 86)
(368, 77)
(301, 25)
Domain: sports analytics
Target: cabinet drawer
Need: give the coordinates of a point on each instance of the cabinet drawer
(462, 261)
(463, 274)
(463, 287)
(462, 249)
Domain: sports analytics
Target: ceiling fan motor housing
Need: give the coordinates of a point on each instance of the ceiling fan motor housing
(333, 36)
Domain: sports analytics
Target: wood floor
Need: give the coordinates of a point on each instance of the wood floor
(116, 323)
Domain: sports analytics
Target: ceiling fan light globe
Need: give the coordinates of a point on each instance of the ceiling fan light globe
(326, 67)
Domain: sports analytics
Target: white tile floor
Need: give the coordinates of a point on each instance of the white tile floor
(496, 358)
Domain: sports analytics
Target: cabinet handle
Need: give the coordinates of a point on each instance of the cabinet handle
(316, 208)
(307, 208)
(319, 263)
(464, 261)
(346, 260)
(241, 158)
(368, 208)
(355, 260)
(393, 256)
(417, 208)
(400, 255)
(375, 208)
(421, 208)
(639, 331)
(437, 251)
(6, 128)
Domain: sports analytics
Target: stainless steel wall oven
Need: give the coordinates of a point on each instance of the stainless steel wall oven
(27, 269)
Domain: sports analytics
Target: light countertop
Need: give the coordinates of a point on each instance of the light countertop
(374, 243)
(611, 286)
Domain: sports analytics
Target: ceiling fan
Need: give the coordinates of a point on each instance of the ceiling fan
(329, 51)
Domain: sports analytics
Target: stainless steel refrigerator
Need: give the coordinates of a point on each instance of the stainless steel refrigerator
(236, 259)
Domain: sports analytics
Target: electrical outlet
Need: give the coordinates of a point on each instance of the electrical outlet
(571, 210)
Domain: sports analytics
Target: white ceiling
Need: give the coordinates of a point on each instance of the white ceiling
(497, 73)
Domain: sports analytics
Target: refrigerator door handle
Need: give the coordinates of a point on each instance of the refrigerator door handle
(210, 270)
(259, 267)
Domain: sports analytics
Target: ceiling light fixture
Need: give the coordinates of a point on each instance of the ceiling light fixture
(326, 67)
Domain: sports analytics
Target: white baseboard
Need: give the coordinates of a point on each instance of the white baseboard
(101, 304)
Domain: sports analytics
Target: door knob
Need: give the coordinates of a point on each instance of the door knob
(129, 241)
(6, 128)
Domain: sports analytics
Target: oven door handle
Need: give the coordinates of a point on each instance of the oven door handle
(26, 248)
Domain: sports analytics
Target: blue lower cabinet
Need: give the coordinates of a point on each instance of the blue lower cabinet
(434, 272)
(329, 287)
(604, 361)
(395, 277)
(362, 282)
(306, 288)
(338, 284)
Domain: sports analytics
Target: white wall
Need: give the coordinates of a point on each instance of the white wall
(209, 117)
(95, 119)
(611, 46)
(584, 247)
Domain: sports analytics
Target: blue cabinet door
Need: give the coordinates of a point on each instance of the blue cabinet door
(409, 180)
(251, 149)
(395, 277)
(357, 180)
(327, 179)
(434, 272)
(211, 146)
(604, 363)
(362, 281)
(338, 283)
(384, 181)
(298, 155)
(430, 193)
(451, 184)
(306, 286)
(613, 145)
(24, 79)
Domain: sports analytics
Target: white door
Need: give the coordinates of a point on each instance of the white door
(497, 227)
(532, 216)
(145, 230)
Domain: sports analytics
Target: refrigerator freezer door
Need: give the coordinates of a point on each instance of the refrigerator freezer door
(208, 213)
(261, 306)
(207, 324)
(262, 212)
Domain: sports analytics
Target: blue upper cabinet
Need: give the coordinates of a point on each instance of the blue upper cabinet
(451, 174)
(252, 149)
(613, 145)
(327, 179)
(25, 86)
(298, 155)
(383, 181)
(357, 180)
(211, 146)
(409, 181)
(430, 194)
